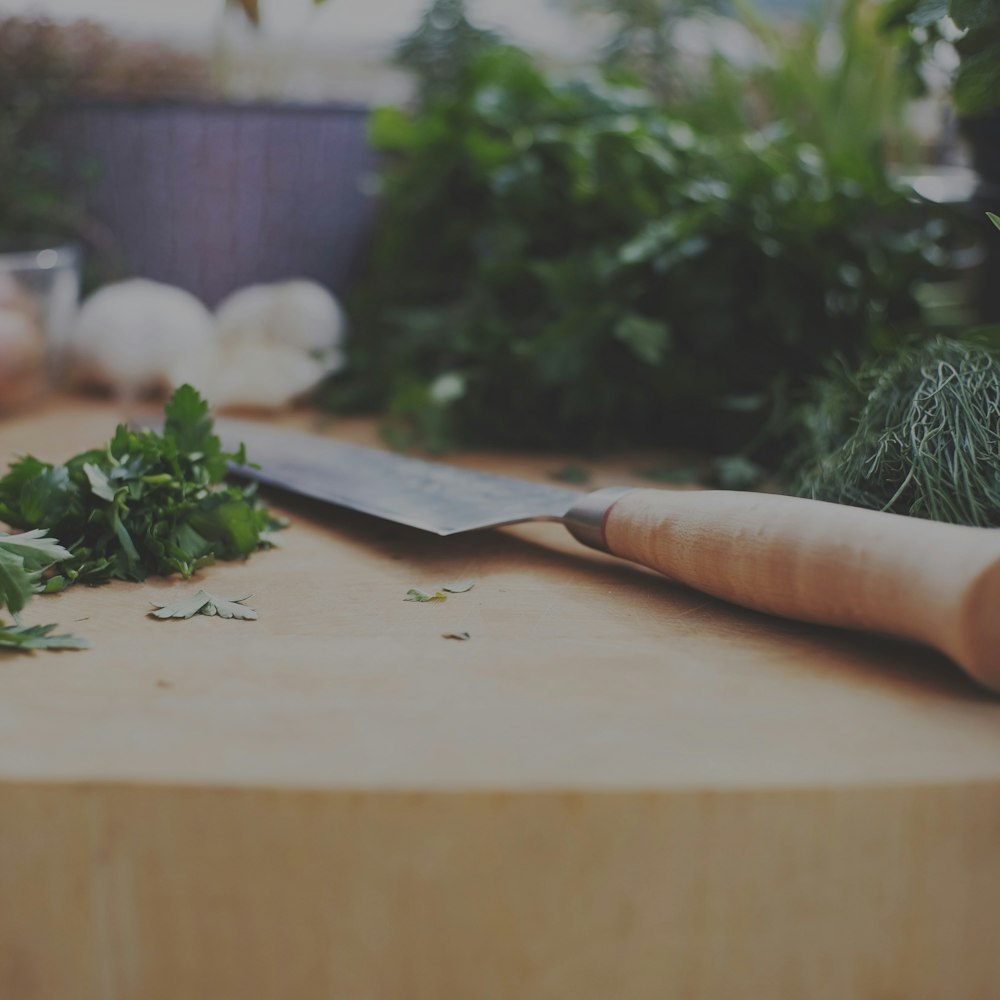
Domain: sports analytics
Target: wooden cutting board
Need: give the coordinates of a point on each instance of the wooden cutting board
(616, 788)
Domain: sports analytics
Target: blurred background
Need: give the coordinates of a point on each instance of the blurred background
(346, 50)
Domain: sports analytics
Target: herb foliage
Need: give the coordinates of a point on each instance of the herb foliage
(917, 433)
(147, 503)
(976, 84)
(24, 558)
(565, 263)
(25, 638)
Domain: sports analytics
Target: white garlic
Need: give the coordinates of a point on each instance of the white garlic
(276, 343)
(297, 313)
(263, 377)
(140, 336)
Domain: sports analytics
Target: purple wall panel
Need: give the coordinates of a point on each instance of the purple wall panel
(212, 197)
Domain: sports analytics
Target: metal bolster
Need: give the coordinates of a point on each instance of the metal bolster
(585, 519)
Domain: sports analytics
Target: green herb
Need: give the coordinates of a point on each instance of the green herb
(146, 503)
(203, 603)
(643, 44)
(995, 219)
(916, 434)
(456, 635)
(423, 598)
(30, 637)
(458, 587)
(623, 275)
(24, 558)
(442, 47)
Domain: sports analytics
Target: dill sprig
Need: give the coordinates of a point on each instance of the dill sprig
(919, 435)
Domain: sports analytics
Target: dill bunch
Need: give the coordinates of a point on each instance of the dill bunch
(916, 434)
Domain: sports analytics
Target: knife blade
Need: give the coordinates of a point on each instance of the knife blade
(829, 564)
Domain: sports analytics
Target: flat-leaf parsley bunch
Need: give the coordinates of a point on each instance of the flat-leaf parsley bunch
(147, 503)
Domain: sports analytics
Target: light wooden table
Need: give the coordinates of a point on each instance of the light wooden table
(617, 788)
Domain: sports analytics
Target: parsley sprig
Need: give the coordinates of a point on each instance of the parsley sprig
(147, 503)
(24, 558)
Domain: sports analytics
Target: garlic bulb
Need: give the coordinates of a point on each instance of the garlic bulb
(276, 342)
(263, 377)
(139, 337)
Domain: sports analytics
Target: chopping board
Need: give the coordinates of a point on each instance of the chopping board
(615, 787)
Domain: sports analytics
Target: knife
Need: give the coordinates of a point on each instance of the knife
(932, 583)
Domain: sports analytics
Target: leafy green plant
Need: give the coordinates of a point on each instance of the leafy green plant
(828, 76)
(441, 49)
(915, 433)
(146, 503)
(564, 263)
(976, 85)
(642, 45)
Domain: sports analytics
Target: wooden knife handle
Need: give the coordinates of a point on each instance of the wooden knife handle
(937, 584)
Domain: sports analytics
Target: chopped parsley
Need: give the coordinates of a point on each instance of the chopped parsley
(146, 503)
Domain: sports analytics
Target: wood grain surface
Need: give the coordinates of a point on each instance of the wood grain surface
(826, 563)
(617, 787)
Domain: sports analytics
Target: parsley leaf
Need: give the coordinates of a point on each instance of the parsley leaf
(188, 423)
(230, 608)
(23, 558)
(204, 603)
(29, 637)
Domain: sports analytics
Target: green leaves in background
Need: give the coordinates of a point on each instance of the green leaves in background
(586, 268)
(915, 433)
(976, 84)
